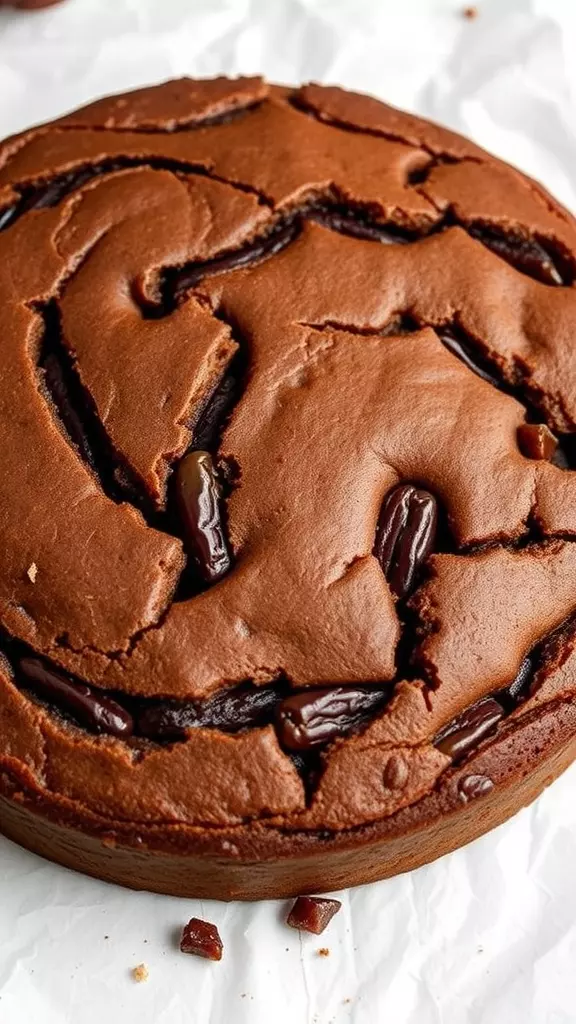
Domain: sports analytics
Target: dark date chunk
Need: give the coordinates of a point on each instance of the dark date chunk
(472, 726)
(536, 441)
(93, 710)
(525, 254)
(461, 348)
(201, 939)
(244, 707)
(310, 719)
(198, 496)
(312, 913)
(405, 536)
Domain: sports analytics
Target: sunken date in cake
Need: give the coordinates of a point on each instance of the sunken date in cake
(287, 489)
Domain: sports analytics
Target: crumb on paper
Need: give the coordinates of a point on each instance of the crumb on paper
(32, 572)
(470, 13)
(347, 1000)
(323, 951)
(140, 973)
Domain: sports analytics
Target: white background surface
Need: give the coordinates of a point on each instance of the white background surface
(487, 935)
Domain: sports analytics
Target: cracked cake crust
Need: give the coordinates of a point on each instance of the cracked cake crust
(351, 316)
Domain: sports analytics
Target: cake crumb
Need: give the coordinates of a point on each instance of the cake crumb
(140, 973)
(470, 13)
(32, 572)
(323, 951)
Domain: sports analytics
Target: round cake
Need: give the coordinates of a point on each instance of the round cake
(28, 5)
(287, 489)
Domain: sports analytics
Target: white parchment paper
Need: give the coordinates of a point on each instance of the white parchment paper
(488, 934)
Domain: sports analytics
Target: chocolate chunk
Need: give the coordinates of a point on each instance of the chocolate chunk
(460, 347)
(536, 441)
(312, 913)
(242, 707)
(309, 719)
(525, 254)
(405, 535)
(94, 710)
(201, 939)
(198, 496)
(472, 786)
(465, 732)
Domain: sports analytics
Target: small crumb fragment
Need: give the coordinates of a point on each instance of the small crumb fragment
(347, 1000)
(470, 12)
(32, 572)
(323, 951)
(312, 913)
(201, 939)
(140, 973)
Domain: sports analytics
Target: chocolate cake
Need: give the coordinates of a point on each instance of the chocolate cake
(29, 5)
(287, 489)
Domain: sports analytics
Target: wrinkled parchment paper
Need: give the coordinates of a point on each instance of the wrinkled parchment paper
(488, 934)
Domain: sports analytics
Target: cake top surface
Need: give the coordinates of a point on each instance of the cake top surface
(342, 306)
